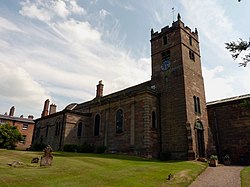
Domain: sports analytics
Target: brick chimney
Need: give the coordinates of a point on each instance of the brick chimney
(30, 117)
(99, 89)
(12, 111)
(45, 108)
(52, 109)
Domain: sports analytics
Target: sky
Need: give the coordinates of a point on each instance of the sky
(60, 49)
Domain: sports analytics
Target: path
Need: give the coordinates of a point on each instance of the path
(220, 176)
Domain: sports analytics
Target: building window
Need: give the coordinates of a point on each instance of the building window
(119, 121)
(47, 131)
(190, 40)
(79, 129)
(97, 125)
(165, 55)
(58, 127)
(153, 120)
(165, 40)
(25, 126)
(23, 139)
(191, 55)
(38, 131)
(197, 108)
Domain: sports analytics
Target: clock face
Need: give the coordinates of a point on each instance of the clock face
(165, 65)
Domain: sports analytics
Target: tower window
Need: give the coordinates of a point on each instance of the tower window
(197, 108)
(97, 125)
(191, 55)
(119, 121)
(165, 40)
(79, 129)
(153, 120)
(190, 40)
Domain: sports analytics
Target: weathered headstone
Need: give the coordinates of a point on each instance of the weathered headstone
(46, 159)
(35, 160)
(16, 164)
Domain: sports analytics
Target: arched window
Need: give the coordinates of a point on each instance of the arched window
(79, 130)
(38, 129)
(47, 131)
(119, 121)
(97, 125)
(58, 127)
(153, 120)
(197, 107)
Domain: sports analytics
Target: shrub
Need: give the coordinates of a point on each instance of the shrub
(213, 157)
(86, 148)
(100, 149)
(165, 155)
(70, 148)
(9, 136)
(37, 147)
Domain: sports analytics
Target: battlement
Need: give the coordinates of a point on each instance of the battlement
(175, 25)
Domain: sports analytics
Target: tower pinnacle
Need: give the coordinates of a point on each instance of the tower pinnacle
(179, 17)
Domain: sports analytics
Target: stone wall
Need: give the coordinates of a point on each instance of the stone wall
(137, 137)
(45, 131)
(230, 124)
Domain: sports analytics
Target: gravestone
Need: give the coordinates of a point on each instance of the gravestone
(46, 159)
(35, 160)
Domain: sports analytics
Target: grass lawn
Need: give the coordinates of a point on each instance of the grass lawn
(76, 169)
(245, 177)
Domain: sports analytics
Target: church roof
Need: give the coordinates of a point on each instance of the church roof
(128, 92)
(231, 99)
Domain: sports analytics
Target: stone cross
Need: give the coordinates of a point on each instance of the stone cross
(46, 159)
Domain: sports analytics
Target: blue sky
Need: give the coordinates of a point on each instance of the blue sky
(60, 49)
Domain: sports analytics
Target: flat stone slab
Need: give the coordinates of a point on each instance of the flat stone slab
(220, 176)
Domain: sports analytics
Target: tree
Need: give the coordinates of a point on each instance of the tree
(237, 47)
(9, 136)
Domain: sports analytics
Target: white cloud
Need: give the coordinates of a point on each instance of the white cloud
(103, 13)
(217, 84)
(18, 87)
(6, 25)
(47, 10)
(76, 31)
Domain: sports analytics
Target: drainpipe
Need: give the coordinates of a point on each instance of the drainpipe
(217, 136)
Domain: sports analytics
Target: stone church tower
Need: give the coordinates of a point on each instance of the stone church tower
(177, 77)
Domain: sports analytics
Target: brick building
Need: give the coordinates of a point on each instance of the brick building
(229, 120)
(166, 113)
(24, 125)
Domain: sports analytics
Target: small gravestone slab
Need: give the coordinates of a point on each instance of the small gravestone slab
(46, 159)
(16, 164)
(35, 160)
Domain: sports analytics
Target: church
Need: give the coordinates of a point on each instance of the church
(165, 114)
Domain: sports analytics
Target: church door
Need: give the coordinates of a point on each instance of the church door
(200, 139)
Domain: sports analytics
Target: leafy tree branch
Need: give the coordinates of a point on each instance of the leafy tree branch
(237, 47)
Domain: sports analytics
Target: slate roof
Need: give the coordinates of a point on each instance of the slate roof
(12, 118)
(231, 99)
(137, 89)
